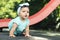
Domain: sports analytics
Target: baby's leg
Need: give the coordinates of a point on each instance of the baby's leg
(19, 33)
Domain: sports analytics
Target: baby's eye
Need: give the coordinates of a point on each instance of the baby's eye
(23, 11)
(27, 11)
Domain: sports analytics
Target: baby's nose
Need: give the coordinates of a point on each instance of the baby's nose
(25, 15)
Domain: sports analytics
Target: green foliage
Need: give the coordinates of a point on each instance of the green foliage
(52, 22)
(36, 5)
(7, 8)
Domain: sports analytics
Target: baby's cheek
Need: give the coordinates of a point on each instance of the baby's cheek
(22, 15)
(28, 15)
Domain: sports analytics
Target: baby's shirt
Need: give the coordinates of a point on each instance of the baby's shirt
(21, 24)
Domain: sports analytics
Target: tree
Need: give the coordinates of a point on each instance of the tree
(8, 8)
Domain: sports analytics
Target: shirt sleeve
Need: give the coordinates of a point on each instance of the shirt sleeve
(16, 21)
(28, 21)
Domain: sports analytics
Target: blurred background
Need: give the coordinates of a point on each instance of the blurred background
(8, 10)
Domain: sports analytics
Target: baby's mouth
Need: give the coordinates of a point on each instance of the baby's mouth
(25, 15)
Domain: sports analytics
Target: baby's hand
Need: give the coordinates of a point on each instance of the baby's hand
(27, 35)
(12, 35)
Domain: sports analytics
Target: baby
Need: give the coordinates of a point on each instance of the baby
(20, 25)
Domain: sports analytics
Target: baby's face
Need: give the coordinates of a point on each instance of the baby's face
(24, 12)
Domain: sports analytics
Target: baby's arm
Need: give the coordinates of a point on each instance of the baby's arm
(11, 34)
(27, 31)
